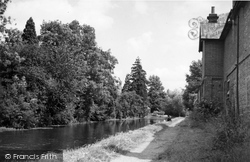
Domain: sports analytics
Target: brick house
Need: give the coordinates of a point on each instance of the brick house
(225, 48)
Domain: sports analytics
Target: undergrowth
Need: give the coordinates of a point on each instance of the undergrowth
(211, 134)
(230, 135)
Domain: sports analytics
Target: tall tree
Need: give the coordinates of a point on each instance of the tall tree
(156, 94)
(193, 83)
(138, 79)
(29, 32)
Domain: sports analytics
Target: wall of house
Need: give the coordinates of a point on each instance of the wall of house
(212, 59)
(244, 48)
(229, 69)
(230, 60)
(213, 53)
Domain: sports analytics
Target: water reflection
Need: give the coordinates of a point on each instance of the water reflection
(67, 137)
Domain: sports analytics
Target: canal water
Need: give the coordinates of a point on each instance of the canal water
(67, 137)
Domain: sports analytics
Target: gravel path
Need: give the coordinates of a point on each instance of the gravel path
(154, 145)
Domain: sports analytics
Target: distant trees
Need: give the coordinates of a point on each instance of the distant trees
(133, 100)
(193, 83)
(156, 94)
(174, 104)
(65, 77)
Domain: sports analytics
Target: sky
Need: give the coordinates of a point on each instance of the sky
(156, 31)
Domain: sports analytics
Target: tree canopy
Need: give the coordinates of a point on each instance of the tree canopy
(193, 83)
(29, 32)
(138, 79)
(62, 76)
(156, 94)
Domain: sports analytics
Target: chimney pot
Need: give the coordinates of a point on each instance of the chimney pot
(212, 9)
(212, 17)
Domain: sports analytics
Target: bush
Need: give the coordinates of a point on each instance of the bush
(204, 110)
(230, 132)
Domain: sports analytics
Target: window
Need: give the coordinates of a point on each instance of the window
(228, 89)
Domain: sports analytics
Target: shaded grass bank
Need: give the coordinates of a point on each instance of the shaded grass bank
(111, 147)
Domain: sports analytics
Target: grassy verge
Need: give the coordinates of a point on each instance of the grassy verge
(220, 138)
(111, 147)
(191, 144)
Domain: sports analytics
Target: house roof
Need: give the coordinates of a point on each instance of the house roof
(220, 31)
(231, 17)
(212, 30)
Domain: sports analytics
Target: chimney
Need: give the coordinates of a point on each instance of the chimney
(212, 18)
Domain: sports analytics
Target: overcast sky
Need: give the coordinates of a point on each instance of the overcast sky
(154, 30)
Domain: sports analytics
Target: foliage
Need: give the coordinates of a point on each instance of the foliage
(133, 100)
(193, 83)
(3, 19)
(62, 76)
(231, 132)
(65, 77)
(138, 80)
(29, 32)
(156, 94)
(174, 105)
(127, 84)
(205, 110)
(131, 105)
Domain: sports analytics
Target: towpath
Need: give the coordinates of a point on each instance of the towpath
(154, 145)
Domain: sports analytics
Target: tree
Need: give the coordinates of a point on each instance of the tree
(156, 94)
(173, 105)
(127, 84)
(193, 84)
(138, 80)
(63, 79)
(76, 61)
(131, 105)
(29, 32)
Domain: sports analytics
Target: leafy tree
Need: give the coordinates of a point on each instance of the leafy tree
(16, 107)
(173, 105)
(193, 83)
(131, 105)
(138, 79)
(156, 94)
(85, 67)
(3, 19)
(3, 5)
(29, 33)
(133, 100)
(66, 77)
(127, 84)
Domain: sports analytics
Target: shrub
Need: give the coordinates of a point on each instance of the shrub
(231, 140)
(204, 110)
(230, 132)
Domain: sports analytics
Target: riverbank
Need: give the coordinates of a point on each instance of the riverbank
(122, 145)
(4, 129)
(150, 117)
